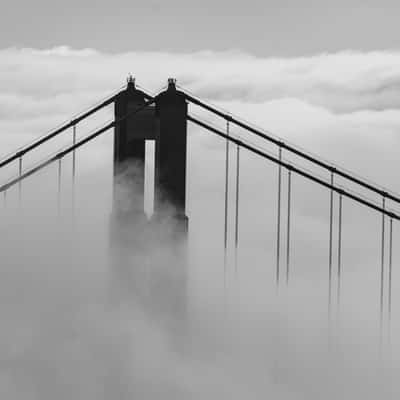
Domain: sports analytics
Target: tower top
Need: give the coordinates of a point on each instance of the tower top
(131, 82)
(171, 84)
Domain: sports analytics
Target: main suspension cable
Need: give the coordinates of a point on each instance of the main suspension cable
(57, 131)
(295, 169)
(293, 149)
(69, 149)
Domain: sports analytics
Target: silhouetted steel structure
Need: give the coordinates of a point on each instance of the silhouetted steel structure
(165, 122)
(130, 146)
(163, 118)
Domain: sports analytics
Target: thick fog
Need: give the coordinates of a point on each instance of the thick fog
(83, 321)
(93, 309)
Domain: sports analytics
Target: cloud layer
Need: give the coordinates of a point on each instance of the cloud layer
(342, 106)
(341, 82)
(304, 99)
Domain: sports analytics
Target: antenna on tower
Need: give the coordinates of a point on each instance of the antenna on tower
(171, 84)
(130, 81)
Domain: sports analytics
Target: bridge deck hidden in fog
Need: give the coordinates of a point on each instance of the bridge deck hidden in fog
(163, 118)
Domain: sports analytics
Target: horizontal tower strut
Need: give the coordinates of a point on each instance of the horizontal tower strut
(64, 152)
(59, 130)
(293, 150)
(295, 169)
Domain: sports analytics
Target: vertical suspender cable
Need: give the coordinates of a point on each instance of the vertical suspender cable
(20, 182)
(330, 246)
(288, 225)
(278, 228)
(390, 273)
(226, 201)
(73, 168)
(339, 260)
(59, 187)
(237, 206)
(73, 153)
(382, 264)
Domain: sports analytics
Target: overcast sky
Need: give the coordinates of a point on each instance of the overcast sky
(324, 75)
(263, 27)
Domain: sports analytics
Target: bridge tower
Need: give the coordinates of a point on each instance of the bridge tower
(130, 137)
(158, 244)
(171, 151)
(166, 124)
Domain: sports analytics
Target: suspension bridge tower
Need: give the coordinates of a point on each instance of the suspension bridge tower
(152, 256)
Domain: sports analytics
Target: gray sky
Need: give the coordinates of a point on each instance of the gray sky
(62, 339)
(268, 27)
